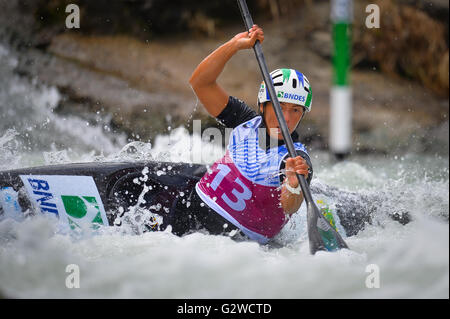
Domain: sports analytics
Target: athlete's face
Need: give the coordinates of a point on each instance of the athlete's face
(292, 114)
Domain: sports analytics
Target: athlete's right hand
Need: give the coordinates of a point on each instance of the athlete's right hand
(294, 166)
(246, 40)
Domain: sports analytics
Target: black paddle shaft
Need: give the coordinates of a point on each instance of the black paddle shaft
(315, 218)
(276, 104)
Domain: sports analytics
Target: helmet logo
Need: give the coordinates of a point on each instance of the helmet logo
(294, 97)
(286, 74)
(290, 87)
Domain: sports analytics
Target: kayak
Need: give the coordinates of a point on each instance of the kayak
(93, 191)
(98, 193)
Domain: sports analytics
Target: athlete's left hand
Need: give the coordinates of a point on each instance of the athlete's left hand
(296, 165)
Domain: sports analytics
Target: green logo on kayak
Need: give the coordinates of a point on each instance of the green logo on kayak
(78, 207)
(280, 94)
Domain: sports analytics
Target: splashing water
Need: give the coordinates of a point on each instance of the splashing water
(119, 262)
(27, 112)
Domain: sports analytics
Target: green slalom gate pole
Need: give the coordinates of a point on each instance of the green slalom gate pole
(341, 94)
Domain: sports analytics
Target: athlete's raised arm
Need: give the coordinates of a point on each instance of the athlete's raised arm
(203, 79)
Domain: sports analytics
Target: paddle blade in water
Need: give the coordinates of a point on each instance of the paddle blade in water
(322, 236)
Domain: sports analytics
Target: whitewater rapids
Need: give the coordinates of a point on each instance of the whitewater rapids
(412, 261)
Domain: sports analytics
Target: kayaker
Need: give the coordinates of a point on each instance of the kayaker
(243, 187)
(243, 192)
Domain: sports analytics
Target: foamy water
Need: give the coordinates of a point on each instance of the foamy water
(412, 260)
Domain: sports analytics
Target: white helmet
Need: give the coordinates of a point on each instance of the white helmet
(291, 87)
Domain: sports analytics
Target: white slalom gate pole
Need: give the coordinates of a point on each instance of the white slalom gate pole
(341, 94)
